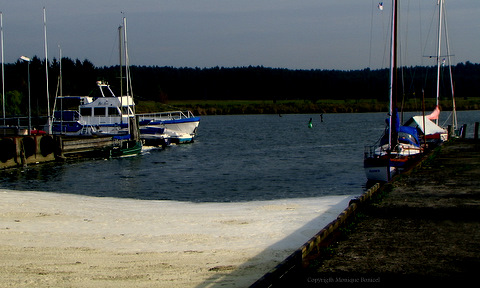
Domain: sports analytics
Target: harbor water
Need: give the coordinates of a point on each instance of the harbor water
(235, 158)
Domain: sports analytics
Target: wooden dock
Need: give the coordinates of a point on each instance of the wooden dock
(22, 150)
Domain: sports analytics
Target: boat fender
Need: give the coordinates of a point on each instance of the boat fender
(47, 145)
(29, 146)
(8, 149)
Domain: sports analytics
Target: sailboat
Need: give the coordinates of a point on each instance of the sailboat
(129, 144)
(429, 124)
(440, 61)
(399, 145)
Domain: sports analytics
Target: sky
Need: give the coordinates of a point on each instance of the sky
(293, 34)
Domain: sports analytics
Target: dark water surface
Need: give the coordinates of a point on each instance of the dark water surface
(235, 158)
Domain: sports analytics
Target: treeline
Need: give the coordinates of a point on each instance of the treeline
(168, 84)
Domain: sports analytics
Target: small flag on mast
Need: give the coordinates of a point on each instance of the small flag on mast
(380, 6)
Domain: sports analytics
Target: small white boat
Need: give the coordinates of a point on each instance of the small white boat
(177, 126)
(433, 133)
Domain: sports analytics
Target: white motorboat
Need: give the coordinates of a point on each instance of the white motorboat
(103, 115)
(177, 126)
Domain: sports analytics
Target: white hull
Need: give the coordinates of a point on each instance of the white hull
(178, 125)
(382, 166)
(382, 174)
(189, 128)
(170, 136)
(175, 129)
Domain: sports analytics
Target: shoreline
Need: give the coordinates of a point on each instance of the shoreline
(49, 239)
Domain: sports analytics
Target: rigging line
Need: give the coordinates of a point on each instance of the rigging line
(446, 35)
(403, 57)
(114, 50)
(3, 67)
(407, 21)
(439, 45)
(420, 30)
(454, 118)
(433, 18)
(386, 48)
(430, 29)
(371, 36)
(444, 89)
(412, 71)
(384, 33)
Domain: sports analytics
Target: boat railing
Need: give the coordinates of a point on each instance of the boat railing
(371, 151)
(171, 115)
(95, 120)
(408, 150)
(23, 121)
(66, 115)
(15, 121)
(375, 151)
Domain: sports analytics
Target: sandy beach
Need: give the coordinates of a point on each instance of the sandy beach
(63, 240)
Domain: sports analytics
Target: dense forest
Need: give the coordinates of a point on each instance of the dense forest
(318, 90)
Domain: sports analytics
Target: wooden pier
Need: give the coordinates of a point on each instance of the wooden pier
(423, 228)
(22, 150)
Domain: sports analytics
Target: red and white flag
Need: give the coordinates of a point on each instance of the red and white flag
(434, 115)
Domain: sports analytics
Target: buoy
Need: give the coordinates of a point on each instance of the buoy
(310, 124)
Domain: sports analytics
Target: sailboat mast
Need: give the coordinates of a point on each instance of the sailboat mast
(439, 40)
(46, 70)
(127, 72)
(3, 70)
(120, 55)
(60, 64)
(393, 68)
(60, 78)
(127, 75)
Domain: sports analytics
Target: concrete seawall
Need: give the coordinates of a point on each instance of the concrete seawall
(424, 228)
(24, 150)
